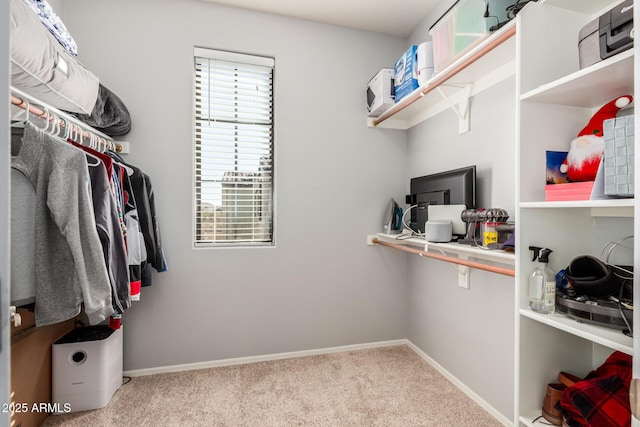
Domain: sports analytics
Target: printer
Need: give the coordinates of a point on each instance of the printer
(607, 35)
(380, 92)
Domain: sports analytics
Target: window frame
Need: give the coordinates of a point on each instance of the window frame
(249, 60)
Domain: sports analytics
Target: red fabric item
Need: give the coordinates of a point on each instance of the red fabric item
(602, 398)
(135, 289)
(607, 111)
(115, 323)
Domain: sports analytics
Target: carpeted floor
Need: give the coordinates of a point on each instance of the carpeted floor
(389, 386)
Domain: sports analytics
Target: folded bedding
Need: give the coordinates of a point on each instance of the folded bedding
(43, 68)
(110, 115)
(54, 24)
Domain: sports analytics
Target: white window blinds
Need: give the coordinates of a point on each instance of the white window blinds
(233, 148)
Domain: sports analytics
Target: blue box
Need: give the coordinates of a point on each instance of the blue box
(406, 73)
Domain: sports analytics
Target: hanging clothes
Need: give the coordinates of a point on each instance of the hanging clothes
(23, 204)
(136, 254)
(69, 267)
(109, 231)
(139, 186)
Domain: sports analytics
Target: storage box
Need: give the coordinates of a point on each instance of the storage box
(86, 368)
(406, 73)
(464, 25)
(568, 191)
(619, 156)
(380, 92)
(457, 30)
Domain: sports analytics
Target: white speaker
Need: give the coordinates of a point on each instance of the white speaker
(438, 230)
(425, 62)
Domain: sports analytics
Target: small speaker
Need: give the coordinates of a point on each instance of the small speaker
(438, 230)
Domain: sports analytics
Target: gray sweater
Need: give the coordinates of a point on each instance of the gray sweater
(69, 265)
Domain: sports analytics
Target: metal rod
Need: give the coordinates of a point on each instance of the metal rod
(472, 264)
(19, 101)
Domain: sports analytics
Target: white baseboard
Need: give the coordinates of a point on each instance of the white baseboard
(466, 390)
(263, 358)
(279, 356)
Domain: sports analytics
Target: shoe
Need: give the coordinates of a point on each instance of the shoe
(549, 411)
(568, 379)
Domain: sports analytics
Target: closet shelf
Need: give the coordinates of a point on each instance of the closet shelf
(38, 108)
(591, 7)
(590, 87)
(611, 338)
(527, 419)
(489, 62)
(450, 252)
(607, 207)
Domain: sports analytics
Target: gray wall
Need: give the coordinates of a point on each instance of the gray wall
(321, 286)
(469, 332)
(4, 210)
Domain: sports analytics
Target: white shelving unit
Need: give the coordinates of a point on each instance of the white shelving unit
(556, 100)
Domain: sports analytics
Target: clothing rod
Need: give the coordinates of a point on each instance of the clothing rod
(472, 264)
(22, 100)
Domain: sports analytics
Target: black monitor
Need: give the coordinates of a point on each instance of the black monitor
(454, 187)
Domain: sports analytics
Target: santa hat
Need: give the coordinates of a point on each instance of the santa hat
(608, 111)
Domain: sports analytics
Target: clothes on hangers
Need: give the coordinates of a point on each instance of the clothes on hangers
(23, 241)
(139, 186)
(109, 232)
(136, 254)
(69, 267)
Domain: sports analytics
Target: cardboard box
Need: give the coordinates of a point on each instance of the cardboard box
(31, 367)
(406, 73)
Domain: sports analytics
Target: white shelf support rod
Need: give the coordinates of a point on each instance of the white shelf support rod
(462, 110)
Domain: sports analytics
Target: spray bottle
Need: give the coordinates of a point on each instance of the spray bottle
(542, 283)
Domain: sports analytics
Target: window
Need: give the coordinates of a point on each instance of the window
(233, 149)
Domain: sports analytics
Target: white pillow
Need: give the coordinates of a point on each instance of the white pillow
(41, 67)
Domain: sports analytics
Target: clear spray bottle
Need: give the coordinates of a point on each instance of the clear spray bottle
(542, 283)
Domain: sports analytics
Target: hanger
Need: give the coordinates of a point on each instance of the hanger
(20, 122)
(46, 121)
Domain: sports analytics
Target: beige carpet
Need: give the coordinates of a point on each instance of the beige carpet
(390, 386)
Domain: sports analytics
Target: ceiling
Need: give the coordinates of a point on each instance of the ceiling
(394, 17)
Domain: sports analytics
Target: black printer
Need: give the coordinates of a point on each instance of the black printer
(607, 35)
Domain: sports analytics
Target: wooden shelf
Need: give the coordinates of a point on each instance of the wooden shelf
(489, 62)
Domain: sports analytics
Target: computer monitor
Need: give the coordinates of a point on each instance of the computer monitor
(453, 187)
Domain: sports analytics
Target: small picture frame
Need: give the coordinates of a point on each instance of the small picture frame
(555, 159)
